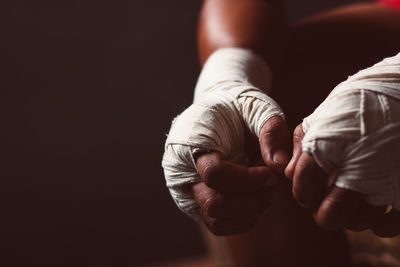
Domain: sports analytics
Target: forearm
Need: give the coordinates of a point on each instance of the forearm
(259, 25)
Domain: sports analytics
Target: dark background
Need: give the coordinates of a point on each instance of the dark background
(88, 90)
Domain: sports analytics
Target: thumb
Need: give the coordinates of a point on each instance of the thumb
(274, 144)
(298, 136)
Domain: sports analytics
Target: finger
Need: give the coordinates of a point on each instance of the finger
(226, 176)
(365, 217)
(274, 144)
(231, 226)
(309, 182)
(219, 205)
(389, 226)
(297, 138)
(226, 225)
(336, 208)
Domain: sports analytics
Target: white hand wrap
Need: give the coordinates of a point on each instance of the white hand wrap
(356, 132)
(229, 103)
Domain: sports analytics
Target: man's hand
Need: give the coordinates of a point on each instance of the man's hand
(335, 208)
(232, 115)
(232, 197)
(274, 144)
(344, 163)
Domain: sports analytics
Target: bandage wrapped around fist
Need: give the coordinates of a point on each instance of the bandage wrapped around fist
(356, 132)
(230, 104)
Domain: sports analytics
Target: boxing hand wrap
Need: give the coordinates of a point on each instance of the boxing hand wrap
(356, 132)
(230, 104)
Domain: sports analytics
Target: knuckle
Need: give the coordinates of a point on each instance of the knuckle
(304, 167)
(210, 174)
(271, 126)
(212, 206)
(326, 218)
(273, 123)
(298, 132)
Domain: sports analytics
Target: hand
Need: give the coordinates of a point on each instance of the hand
(344, 164)
(232, 197)
(335, 207)
(231, 115)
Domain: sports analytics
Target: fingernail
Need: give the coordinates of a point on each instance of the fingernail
(281, 157)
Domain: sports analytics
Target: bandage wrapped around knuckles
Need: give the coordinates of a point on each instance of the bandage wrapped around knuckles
(230, 104)
(355, 132)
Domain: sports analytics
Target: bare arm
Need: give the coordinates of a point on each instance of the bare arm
(259, 25)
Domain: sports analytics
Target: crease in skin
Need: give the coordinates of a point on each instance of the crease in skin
(364, 158)
(230, 101)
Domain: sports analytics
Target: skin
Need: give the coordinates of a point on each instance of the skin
(225, 23)
(307, 59)
(232, 197)
(334, 208)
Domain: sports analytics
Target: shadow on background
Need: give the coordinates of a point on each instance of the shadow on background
(88, 92)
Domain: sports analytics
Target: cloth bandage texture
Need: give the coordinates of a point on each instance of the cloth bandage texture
(229, 109)
(356, 132)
